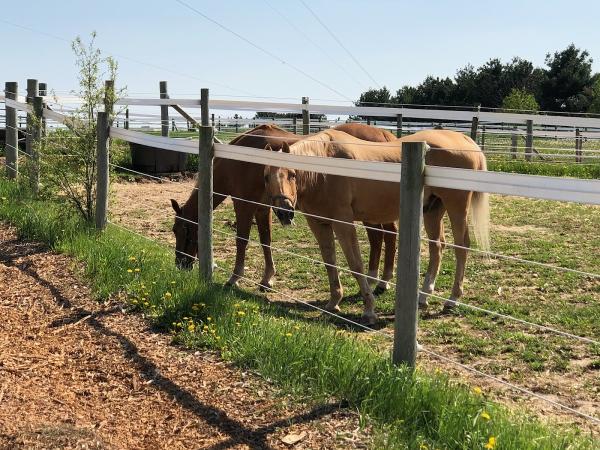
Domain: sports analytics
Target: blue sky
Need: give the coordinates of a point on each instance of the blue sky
(398, 42)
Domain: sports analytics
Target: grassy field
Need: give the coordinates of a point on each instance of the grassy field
(422, 410)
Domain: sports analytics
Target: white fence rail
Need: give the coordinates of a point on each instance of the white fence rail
(370, 111)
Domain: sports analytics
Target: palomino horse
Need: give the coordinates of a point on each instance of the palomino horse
(245, 181)
(350, 199)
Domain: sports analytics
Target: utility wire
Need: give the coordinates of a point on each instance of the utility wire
(315, 44)
(134, 60)
(340, 43)
(262, 49)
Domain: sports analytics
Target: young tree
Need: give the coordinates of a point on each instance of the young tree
(520, 99)
(71, 152)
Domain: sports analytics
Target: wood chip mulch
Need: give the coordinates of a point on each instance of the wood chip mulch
(78, 374)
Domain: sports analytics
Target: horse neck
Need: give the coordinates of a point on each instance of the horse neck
(190, 208)
(306, 180)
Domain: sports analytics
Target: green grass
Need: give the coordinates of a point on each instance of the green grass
(310, 358)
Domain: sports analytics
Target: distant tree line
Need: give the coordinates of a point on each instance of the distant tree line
(566, 83)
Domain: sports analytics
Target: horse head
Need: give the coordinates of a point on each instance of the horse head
(280, 184)
(186, 237)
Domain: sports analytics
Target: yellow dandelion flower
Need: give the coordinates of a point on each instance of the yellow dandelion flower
(491, 443)
(137, 269)
(134, 301)
(477, 390)
(241, 313)
(238, 324)
(237, 305)
(191, 327)
(288, 334)
(296, 327)
(173, 282)
(209, 318)
(129, 271)
(423, 447)
(218, 338)
(168, 295)
(132, 258)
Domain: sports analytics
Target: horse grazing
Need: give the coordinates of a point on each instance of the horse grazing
(245, 181)
(350, 199)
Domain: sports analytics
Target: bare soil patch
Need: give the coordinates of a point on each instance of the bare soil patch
(75, 373)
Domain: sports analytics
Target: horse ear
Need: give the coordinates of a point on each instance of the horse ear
(268, 147)
(175, 206)
(285, 147)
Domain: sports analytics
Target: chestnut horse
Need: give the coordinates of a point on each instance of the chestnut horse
(350, 199)
(245, 180)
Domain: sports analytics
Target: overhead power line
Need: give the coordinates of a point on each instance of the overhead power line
(298, 30)
(134, 60)
(262, 49)
(340, 43)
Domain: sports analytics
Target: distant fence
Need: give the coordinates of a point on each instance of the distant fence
(411, 188)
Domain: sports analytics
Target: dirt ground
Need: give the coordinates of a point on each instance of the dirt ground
(78, 374)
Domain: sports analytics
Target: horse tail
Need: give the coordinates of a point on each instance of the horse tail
(480, 213)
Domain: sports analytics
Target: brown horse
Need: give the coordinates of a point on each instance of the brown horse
(350, 199)
(245, 181)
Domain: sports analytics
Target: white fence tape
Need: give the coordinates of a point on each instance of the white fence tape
(416, 113)
(531, 186)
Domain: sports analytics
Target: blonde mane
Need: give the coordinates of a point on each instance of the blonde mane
(319, 145)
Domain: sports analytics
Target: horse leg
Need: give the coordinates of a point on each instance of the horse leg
(375, 243)
(243, 219)
(390, 256)
(346, 235)
(324, 234)
(263, 222)
(434, 227)
(458, 219)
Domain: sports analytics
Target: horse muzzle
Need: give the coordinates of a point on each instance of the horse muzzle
(285, 216)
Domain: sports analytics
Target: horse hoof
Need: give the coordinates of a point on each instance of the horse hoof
(232, 282)
(379, 290)
(265, 287)
(332, 307)
(449, 306)
(370, 318)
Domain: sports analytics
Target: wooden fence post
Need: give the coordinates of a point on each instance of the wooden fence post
(42, 92)
(102, 168)
(474, 125)
(409, 252)
(295, 125)
(205, 192)
(164, 110)
(513, 143)
(32, 91)
(305, 117)
(483, 138)
(12, 132)
(126, 124)
(35, 141)
(399, 125)
(529, 141)
(109, 98)
(578, 146)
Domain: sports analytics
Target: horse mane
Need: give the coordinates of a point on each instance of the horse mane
(320, 145)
